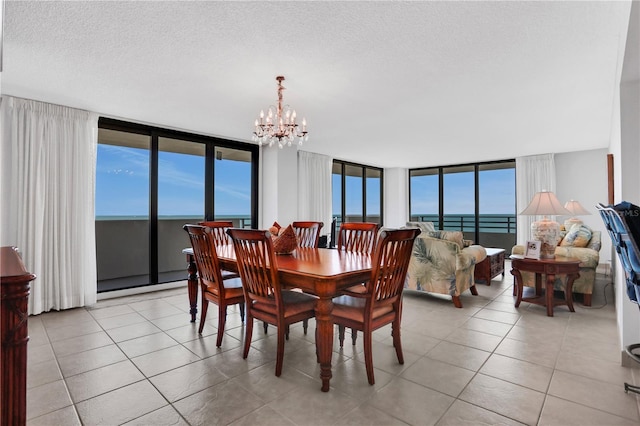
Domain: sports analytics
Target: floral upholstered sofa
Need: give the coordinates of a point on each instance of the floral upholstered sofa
(580, 242)
(440, 262)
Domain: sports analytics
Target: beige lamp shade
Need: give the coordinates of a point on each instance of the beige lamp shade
(546, 231)
(576, 209)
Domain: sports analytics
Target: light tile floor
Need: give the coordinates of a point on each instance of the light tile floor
(138, 360)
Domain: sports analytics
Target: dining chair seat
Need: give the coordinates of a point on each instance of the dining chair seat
(348, 308)
(233, 288)
(295, 303)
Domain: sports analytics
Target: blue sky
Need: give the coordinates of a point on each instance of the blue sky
(497, 193)
(122, 184)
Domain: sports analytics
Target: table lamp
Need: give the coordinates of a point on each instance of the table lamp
(576, 209)
(546, 231)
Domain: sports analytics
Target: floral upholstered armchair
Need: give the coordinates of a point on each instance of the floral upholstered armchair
(440, 263)
(579, 242)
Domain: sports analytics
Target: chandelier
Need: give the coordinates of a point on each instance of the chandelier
(280, 124)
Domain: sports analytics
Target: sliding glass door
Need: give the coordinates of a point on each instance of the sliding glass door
(181, 195)
(152, 181)
(122, 209)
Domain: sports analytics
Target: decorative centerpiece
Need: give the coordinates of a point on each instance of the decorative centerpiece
(285, 241)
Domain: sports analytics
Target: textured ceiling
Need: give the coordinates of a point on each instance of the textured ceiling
(393, 84)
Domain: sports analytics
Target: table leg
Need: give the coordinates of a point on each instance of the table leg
(538, 284)
(192, 286)
(517, 286)
(568, 290)
(549, 294)
(324, 339)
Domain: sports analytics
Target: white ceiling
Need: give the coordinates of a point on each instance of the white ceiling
(392, 84)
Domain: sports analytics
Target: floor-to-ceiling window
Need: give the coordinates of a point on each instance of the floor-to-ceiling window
(149, 183)
(477, 199)
(357, 193)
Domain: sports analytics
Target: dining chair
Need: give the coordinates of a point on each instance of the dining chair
(359, 237)
(308, 233)
(381, 302)
(219, 233)
(215, 289)
(265, 300)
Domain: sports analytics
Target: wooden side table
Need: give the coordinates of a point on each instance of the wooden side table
(490, 267)
(550, 268)
(14, 283)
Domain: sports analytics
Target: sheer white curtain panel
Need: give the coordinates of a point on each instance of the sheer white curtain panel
(314, 188)
(534, 173)
(48, 189)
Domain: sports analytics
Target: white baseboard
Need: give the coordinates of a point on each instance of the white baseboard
(141, 290)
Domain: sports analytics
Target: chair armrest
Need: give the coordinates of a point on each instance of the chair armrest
(588, 258)
(476, 251)
(517, 249)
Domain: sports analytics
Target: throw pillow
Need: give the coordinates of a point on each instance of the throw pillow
(423, 226)
(577, 236)
(286, 242)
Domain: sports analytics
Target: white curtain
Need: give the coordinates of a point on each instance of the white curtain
(314, 188)
(48, 186)
(533, 174)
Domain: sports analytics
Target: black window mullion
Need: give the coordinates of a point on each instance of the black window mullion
(153, 210)
(476, 180)
(364, 194)
(255, 159)
(209, 173)
(440, 198)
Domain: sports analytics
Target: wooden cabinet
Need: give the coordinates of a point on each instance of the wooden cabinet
(490, 267)
(15, 284)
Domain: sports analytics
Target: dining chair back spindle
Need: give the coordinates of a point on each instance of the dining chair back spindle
(307, 233)
(265, 300)
(357, 237)
(215, 289)
(219, 234)
(381, 302)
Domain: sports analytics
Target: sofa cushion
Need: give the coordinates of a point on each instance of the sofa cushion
(423, 226)
(453, 236)
(577, 236)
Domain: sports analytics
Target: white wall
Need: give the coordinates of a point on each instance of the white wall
(625, 147)
(582, 176)
(396, 197)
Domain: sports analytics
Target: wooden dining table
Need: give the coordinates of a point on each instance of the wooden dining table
(321, 272)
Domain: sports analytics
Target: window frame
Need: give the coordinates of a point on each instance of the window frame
(364, 168)
(441, 171)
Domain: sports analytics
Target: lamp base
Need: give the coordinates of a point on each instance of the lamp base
(548, 233)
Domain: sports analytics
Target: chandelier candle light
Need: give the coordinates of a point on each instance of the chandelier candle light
(280, 124)
(546, 231)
